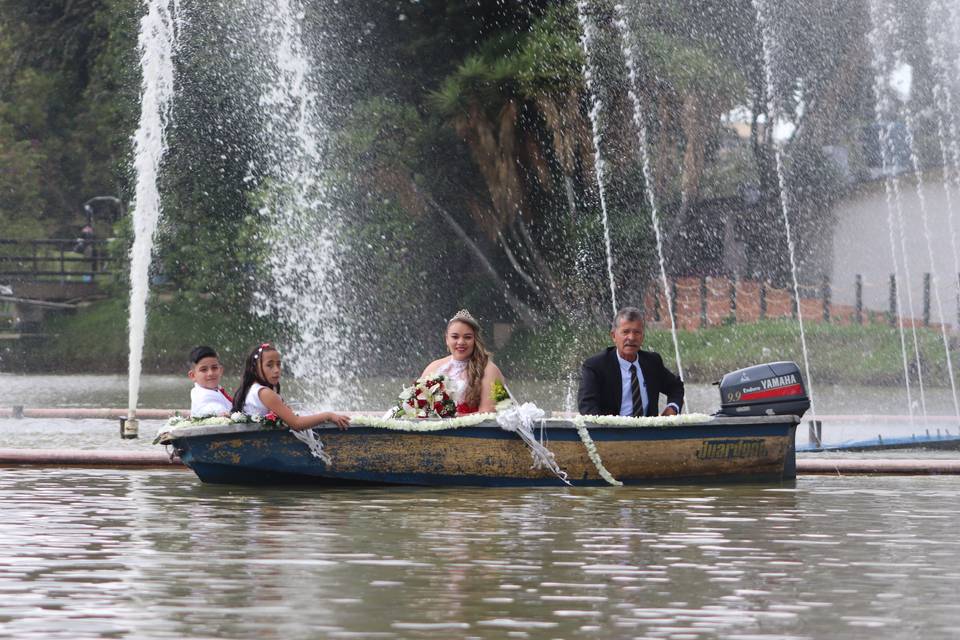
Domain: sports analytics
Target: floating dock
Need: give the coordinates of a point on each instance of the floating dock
(87, 458)
(80, 413)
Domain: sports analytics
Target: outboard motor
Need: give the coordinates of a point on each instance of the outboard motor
(772, 389)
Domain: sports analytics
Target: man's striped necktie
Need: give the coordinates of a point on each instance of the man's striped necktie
(635, 391)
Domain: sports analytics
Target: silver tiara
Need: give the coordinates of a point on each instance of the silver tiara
(464, 316)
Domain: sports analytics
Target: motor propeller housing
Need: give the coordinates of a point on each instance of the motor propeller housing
(771, 389)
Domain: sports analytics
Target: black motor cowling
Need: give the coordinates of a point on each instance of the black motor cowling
(772, 389)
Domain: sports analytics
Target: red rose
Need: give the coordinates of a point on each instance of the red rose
(411, 402)
(438, 407)
(446, 398)
(421, 403)
(271, 416)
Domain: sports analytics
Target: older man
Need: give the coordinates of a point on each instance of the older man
(625, 380)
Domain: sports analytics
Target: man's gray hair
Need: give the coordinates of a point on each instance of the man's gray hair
(630, 314)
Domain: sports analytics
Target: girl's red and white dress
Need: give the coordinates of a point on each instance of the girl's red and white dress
(209, 402)
(456, 383)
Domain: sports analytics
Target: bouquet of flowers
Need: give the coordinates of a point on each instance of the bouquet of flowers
(427, 398)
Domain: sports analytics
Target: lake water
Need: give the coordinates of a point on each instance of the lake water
(152, 554)
(137, 554)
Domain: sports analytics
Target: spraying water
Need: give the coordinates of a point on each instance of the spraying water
(641, 127)
(587, 40)
(891, 193)
(882, 27)
(938, 44)
(767, 45)
(156, 46)
(300, 225)
(924, 217)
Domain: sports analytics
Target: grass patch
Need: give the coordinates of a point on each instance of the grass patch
(852, 354)
(94, 339)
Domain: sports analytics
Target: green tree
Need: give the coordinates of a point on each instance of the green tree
(66, 108)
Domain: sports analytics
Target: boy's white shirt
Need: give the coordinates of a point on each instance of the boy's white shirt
(208, 402)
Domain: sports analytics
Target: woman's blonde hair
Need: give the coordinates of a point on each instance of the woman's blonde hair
(478, 359)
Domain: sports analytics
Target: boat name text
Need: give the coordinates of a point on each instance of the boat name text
(731, 449)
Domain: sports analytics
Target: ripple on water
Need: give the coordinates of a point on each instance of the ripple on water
(156, 554)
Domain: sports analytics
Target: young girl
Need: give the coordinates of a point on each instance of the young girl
(469, 369)
(259, 392)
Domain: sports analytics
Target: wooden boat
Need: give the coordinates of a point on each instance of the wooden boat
(717, 449)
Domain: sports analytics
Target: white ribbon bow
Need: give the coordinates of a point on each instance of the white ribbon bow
(519, 419)
(309, 438)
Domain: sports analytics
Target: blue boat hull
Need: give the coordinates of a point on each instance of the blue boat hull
(717, 450)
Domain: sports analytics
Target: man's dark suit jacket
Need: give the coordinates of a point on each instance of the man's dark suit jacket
(601, 387)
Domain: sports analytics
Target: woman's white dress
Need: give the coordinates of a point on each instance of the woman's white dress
(455, 374)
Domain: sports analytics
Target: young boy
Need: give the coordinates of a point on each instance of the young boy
(207, 398)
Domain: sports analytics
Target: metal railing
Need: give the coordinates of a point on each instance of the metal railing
(62, 258)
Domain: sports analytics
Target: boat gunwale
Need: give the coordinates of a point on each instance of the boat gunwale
(552, 423)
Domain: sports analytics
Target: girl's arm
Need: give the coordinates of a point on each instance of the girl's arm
(490, 375)
(271, 400)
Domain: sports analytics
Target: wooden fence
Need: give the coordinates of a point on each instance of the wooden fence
(65, 259)
(711, 301)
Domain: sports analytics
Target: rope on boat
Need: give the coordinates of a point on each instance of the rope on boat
(309, 438)
(592, 452)
(519, 419)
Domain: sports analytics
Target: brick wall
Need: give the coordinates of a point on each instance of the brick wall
(746, 301)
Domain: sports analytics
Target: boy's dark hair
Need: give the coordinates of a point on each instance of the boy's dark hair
(251, 374)
(201, 352)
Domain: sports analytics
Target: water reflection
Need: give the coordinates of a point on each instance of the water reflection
(117, 554)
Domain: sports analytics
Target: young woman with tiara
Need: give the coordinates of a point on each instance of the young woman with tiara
(259, 392)
(469, 370)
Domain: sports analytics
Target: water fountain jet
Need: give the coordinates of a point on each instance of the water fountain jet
(587, 40)
(641, 128)
(156, 45)
(763, 22)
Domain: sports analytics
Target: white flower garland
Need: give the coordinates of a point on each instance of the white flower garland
(650, 421)
(426, 426)
(592, 450)
(422, 426)
(181, 421)
(236, 417)
(178, 421)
